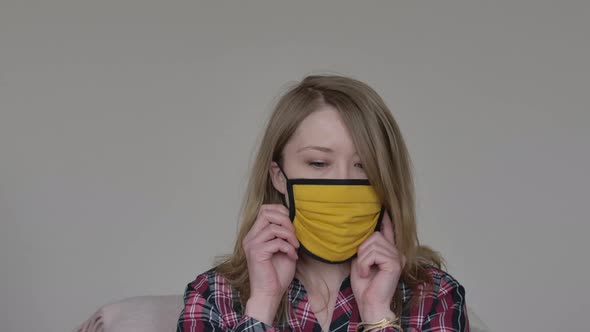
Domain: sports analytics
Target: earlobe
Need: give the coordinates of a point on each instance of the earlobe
(277, 178)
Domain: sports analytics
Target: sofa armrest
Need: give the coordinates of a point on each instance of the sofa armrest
(142, 313)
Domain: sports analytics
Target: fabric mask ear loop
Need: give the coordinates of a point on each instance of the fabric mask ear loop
(282, 171)
(289, 186)
(287, 181)
(380, 220)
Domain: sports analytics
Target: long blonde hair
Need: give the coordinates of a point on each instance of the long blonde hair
(384, 156)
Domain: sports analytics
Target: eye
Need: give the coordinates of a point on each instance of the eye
(359, 165)
(317, 164)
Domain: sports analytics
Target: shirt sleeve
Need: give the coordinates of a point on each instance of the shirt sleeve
(387, 329)
(200, 313)
(441, 309)
(448, 312)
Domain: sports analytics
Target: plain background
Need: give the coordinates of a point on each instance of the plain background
(127, 129)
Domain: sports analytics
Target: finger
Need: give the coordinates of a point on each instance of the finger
(387, 228)
(375, 238)
(387, 259)
(364, 266)
(278, 245)
(381, 252)
(280, 219)
(380, 248)
(376, 257)
(273, 231)
(270, 215)
(276, 207)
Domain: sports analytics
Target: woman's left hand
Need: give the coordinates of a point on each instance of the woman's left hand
(375, 273)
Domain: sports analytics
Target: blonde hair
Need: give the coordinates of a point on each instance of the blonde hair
(385, 160)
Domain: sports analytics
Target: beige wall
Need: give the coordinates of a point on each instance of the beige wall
(126, 128)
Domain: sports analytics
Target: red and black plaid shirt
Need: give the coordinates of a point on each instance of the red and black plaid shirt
(210, 304)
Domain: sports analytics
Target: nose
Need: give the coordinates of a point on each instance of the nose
(342, 172)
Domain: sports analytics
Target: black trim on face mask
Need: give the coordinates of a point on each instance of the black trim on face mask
(304, 250)
(291, 207)
(291, 182)
(344, 182)
(381, 214)
(353, 182)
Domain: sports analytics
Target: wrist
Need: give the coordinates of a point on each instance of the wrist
(262, 308)
(380, 325)
(372, 315)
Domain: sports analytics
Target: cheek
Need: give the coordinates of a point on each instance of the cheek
(360, 173)
(297, 168)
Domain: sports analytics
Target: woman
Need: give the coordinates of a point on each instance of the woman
(328, 236)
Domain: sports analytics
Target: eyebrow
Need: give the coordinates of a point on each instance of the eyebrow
(315, 147)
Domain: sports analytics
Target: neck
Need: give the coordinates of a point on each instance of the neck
(316, 274)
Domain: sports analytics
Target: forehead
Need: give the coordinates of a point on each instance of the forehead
(323, 127)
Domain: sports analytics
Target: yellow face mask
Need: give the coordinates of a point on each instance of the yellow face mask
(333, 217)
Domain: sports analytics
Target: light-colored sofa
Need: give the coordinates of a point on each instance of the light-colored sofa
(160, 314)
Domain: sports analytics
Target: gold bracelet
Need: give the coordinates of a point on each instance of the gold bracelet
(385, 322)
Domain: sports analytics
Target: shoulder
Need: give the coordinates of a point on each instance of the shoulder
(436, 305)
(210, 284)
(443, 291)
(442, 281)
(212, 288)
(210, 298)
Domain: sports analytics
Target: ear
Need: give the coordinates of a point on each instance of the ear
(277, 178)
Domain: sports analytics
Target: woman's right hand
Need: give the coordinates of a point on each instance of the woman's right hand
(271, 254)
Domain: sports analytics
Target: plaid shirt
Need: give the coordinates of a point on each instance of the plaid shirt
(210, 304)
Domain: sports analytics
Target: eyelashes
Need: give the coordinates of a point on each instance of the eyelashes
(323, 164)
(317, 164)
